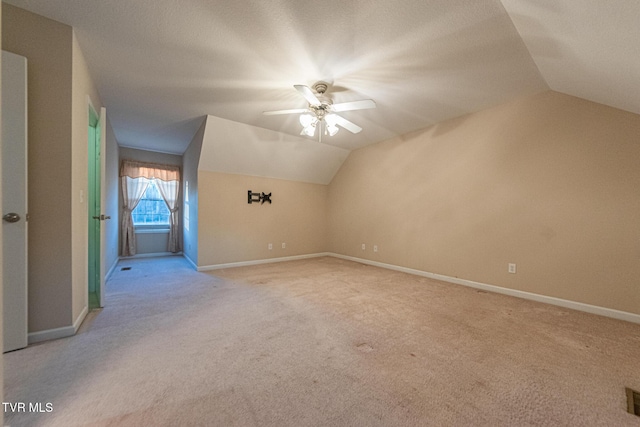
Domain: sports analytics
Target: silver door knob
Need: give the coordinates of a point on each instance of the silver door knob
(102, 217)
(11, 217)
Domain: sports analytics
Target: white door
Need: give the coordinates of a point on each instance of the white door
(14, 200)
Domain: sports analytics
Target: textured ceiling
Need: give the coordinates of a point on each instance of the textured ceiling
(232, 147)
(162, 65)
(585, 48)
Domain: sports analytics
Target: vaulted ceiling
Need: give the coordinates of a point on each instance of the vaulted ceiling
(161, 66)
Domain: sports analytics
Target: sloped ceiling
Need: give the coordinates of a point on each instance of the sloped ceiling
(237, 148)
(585, 48)
(162, 65)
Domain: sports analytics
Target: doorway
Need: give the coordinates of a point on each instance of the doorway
(94, 208)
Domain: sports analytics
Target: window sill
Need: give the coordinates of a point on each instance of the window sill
(151, 229)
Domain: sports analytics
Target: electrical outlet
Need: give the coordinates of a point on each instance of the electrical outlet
(512, 268)
(270, 246)
(284, 245)
(375, 248)
(363, 247)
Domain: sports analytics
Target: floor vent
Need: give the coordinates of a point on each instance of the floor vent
(125, 269)
(633, 402)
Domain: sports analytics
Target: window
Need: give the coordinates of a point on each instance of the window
(153, 190)
(152, 209)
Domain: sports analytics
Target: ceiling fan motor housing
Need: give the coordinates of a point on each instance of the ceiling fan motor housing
(325, 102)
(321, 87)
(323, 109)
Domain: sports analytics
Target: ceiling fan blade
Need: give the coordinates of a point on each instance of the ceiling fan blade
(308, 94)
(351, 127)
(354, 105)
(294, 111)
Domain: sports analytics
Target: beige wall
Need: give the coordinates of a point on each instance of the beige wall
(48, 47)
(150, 156)
(231, 230)
(84, 93)
(190, 161)
(548, 182)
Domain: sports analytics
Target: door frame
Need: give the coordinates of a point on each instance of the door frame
(96, 161)
(103, 202)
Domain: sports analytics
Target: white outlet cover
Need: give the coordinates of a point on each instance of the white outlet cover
(284, 245)
(363, 247)
(512, 268)
(270, 246)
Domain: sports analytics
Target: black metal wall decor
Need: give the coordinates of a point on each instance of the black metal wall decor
(258, 197)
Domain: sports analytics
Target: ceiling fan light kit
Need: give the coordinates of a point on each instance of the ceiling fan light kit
(308, 123)
(322, 109)
(331, 121)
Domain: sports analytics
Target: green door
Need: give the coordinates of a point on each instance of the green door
(94, 210)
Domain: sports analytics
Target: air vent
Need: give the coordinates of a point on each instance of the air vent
(125, 269)
(633, 402)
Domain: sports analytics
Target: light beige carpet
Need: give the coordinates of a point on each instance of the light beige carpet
(324, 342)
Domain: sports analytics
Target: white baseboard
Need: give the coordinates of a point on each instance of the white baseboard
(111, 270)
(152, 255)
(593, 309)
(51, 334)
(190, 261)
(63, 332)
(80, 319)
(260, 261)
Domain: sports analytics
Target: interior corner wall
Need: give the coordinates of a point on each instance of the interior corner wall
(149, 243)
(48, 47)
(112, 208)
(548, 182)
(190, 161)
(1, 266)
(231, 230)
(84, 93)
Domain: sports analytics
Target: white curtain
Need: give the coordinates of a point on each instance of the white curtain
(135, 179)
(169, 191)
(132, 191)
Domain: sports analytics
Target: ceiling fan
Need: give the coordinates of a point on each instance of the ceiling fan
(322, 109)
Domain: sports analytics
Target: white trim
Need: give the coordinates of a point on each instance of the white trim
(190, 261)
(80, 319)
(261, 261)
(51, 334)
(152, 255)
(593, 309)
(65, 331)
(111, 270)
(151, 231)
